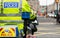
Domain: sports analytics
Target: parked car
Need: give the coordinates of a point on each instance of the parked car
(51, 15)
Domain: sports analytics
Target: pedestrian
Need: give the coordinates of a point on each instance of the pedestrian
(58, 16)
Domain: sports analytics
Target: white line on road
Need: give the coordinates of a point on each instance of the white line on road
(42, 33)
(47, 23)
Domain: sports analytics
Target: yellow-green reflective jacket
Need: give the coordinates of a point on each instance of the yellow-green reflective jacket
(26, 8)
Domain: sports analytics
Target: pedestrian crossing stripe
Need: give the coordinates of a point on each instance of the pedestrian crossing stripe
(42, 33)
(47, 23)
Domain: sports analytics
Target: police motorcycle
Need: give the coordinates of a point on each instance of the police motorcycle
(11, 23)
(29, 17)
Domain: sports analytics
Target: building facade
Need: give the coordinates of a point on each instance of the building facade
(34, 4)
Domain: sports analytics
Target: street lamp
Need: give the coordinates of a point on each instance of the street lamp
(57, 1)
(46, 8)
(57, 9)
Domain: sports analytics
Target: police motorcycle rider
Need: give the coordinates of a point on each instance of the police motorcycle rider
(26, 8)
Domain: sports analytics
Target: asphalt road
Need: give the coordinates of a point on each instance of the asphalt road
(48, 28)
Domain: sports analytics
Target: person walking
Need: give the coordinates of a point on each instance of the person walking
(58, 16)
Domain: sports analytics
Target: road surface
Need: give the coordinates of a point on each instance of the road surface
(48, 28)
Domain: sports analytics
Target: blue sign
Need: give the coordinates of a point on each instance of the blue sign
(10, 4)
(25, 15)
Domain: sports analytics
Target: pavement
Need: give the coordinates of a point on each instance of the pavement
(47, 28)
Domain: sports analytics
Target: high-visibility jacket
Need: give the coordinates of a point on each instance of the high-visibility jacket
(26, 8)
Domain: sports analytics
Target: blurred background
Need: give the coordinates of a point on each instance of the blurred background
(46, 14)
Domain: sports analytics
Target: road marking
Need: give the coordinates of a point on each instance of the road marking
(42, 33)
(42, 28)
(47, 23)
